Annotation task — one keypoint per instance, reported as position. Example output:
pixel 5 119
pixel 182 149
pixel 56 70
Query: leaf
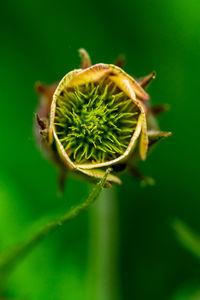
pixel 187 237
pixel 190 291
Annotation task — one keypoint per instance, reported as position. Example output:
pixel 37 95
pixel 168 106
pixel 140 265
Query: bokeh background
pixel 39 41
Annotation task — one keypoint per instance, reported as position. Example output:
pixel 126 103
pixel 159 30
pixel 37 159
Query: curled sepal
pixel 144 141
pixel 85 58
pixel 99 174
pixel 131 84
pixel 156 136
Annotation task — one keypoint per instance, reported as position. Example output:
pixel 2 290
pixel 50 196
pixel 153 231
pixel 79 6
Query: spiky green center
pixel 95 122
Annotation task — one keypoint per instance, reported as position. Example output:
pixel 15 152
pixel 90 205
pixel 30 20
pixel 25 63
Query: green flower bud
pixel 96 117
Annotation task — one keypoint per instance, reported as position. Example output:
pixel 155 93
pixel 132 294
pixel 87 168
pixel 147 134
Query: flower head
pixel 95 117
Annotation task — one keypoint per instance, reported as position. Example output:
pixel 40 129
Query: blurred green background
pixel 39 41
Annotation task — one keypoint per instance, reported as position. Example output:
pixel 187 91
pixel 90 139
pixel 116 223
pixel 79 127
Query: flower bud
pixel 95 118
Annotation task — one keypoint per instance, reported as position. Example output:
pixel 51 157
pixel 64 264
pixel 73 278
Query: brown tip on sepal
pixel 145 81
pixel 40 88
pixel 107 184
pixel 120 61
pixel 42 123
pixel 85 59
pixel 156 136
pixel 159 109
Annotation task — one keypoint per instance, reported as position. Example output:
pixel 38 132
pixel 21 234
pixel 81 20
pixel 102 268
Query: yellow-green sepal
pixel 156 136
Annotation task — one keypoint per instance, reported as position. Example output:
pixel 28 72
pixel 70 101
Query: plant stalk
pixel 103 254
pixel 11 257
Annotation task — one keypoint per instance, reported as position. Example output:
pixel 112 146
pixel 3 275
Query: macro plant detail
pixel 96 117
pixel 95 122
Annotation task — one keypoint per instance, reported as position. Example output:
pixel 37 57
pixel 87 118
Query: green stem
pixel 104 281
pixel 10 258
